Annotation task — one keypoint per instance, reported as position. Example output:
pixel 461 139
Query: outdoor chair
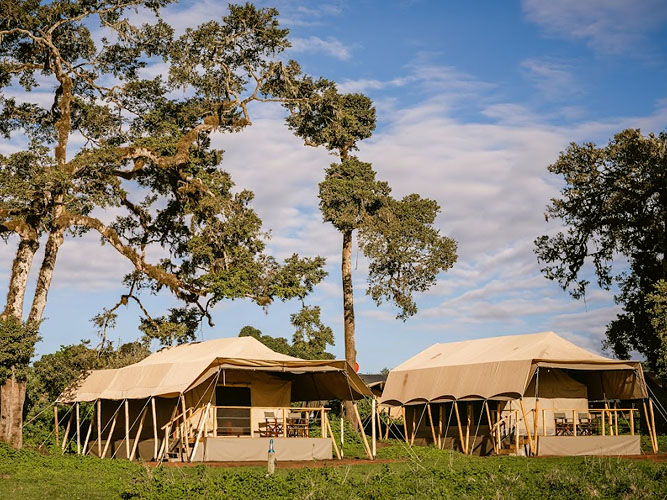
pixel 272 426
pixel 296 425
pixel 563 427
pixel 585 424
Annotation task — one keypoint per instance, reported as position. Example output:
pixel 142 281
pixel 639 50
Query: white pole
pixel 373 431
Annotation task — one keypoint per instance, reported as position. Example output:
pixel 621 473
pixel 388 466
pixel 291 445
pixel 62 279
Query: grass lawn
pixel 416 473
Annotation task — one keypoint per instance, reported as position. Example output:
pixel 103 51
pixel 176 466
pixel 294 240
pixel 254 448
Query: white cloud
pixel 609 26
pixel 554 79
pixel 329 46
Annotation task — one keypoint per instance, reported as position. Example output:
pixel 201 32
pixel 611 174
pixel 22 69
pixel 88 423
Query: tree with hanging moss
pixel 146 154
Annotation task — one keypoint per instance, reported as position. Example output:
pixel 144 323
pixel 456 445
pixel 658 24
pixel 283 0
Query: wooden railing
pixel 192 425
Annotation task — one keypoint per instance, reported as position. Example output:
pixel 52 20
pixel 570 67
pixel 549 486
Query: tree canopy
pixel 146 155
pixel 614 209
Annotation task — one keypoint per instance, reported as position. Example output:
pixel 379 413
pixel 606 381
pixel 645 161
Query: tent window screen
pixel 233 410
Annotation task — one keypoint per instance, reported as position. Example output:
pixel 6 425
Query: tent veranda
pixel 532 379
pixel 208 392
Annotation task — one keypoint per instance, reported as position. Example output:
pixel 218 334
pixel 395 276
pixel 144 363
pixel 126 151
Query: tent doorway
pixel 233 410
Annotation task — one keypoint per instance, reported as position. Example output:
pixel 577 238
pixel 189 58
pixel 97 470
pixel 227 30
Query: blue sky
pixel 474 100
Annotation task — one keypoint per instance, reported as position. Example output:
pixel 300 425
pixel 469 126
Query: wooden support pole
pixel 55 422
pixel 69 424
pixel 516 431
pixel 536 418
pixel 414 426
pixel 90 429
pixel 113 426
pixel 138 435
pixel 327 426
pixel 616 418
pixel 605 415
pixel 373 429
pixel 544 422
pixel 648 425
pixel 184 413
pixel 99 427
pixel 458 421
pixel 199 430
pixel 430 418
pixel 405 426
pixel 164 447
pixel 469 411
pixel 284 424
pixel 78 430
pixel 574 422
pixel 441 409
pixel 379 420
pixel 632 422
pixel 342 436
pixel 525 422
pixel 363 434
pixel 488 417
pixel 127 429
pixel 386 433
pixel 655 436
pixel 322 421
pixel 155 436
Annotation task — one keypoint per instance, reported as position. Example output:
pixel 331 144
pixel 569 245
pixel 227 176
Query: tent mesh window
pixel 232 420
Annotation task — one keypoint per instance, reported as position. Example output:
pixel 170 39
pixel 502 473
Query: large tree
pixel 146 154
pixel 404 250
pixel 614 209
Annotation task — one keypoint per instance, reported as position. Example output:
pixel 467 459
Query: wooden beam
pixel 90 429
pixel 99 427
pixel 441 409
pixel 333 438
pixel 379 420
pixel 342 436
pixel 164 447
pixel 632 421
pixel 155 436
pixel 78 430
pixel 525 423
pixel 138 435
pixel 491 431
pixel 69 424
pixel 113 426
pixel 405 426
pixel 616 417
pixel 430 418
pixel 373 429
pixel 361 429
pixel 469 412
pixel 55 422
pixel 458 421
pixel 536 418
pixel 201 427
pixel 655 435
pixel 324 427
pixel 414 426
pixel 127 429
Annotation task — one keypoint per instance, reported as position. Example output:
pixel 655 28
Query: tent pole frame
pixel 113 426
pixel 491 431
pixel 458 421
pixel 430 418
pixel 155 437
pixel 99 427
pixel 69 424
pixel 361 429
pixel 138 435
pixel 525 424
pixel 405 426
pixel 90 429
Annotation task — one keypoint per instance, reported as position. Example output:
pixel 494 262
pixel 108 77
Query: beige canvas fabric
pixel 569 446
pixel 501 368
pixel 175 370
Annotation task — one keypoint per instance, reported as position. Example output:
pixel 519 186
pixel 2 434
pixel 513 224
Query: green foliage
pixel 350 194
pixel 310 339
pixel 614 204
pixel 49 376
pixel 311 336
pixel 405 251
pixel 417 473
pixel 17 345
pixel 657 303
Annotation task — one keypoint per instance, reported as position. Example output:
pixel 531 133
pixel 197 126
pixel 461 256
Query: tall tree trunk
pixel 348 312
pixel 12 392
pixel 56 237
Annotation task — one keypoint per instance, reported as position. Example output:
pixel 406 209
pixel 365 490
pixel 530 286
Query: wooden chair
pixel 273 427
pixel 296 425
pixel 585 424
pixel 563 427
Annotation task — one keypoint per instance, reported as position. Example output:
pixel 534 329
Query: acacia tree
pixel 146 152
pixel 614 209
pixel 404 250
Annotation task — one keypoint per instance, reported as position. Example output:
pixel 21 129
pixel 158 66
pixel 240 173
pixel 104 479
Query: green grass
pixel 420 473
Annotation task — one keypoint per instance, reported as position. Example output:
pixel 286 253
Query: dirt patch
pixel 297 464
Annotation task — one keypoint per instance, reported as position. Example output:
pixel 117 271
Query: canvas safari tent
pixel 216 400
pixel 533 394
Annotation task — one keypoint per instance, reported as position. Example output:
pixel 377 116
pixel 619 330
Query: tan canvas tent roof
pixel 174 370
pixel 502 368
